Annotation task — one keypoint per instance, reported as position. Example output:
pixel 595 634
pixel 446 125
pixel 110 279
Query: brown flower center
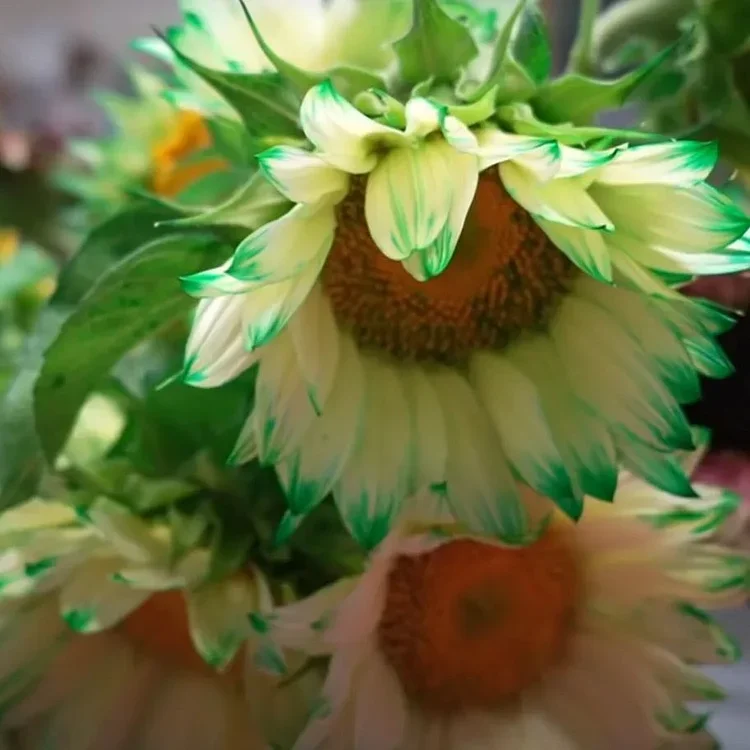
pixel 471 625
pixel 170 176
pixel 506 277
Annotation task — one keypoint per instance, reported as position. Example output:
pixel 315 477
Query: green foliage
pixel 578 99
pixel 265 103
pixel 436 47
pixel 132 301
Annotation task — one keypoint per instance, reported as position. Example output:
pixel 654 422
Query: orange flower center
pixel 471 625
pixel 505 277
pixel 189 136
pixel 160 628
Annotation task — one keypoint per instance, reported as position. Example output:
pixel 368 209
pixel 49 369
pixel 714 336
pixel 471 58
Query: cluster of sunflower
pixel 414 473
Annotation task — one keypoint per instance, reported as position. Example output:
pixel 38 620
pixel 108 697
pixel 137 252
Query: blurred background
pixel 55 53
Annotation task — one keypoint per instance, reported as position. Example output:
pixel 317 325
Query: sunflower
pixel 156 146
pixel 454 641
pixel 112 642
pixel 499 295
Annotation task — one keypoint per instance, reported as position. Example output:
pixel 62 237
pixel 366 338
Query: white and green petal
pixel 587 248
pixel 481 490
pixel 267 310
pixel 432 260
pixel 661 343
pixel 428 424
pixel 214 282
pixel 341 134
pixel 580 435
pixel 678 163
pixel 380 471
pixel 124 532
pixel 408 199
pixel 217 616
pixel 565 201
pixel 302 176
pixel 615 378
pixel 688 219
pixel 316 336
pixel 215 352
pixel 285 248
pixel 515 408
pixel 495 146
pixel 310 471
pixel 93 599
pixel 283 411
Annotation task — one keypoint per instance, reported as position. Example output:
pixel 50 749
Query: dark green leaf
pixel 21 459
pixel 436 46
pixel 107 245
pixel 129 304
pixel 178 421
pixel 728 24
pixel 578 99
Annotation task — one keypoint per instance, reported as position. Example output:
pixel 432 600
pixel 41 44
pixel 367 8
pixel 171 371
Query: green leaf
pixel 728 24
pixel 178 421
pixel 130 303
pixel 578 99
pixel 436 45
pixel 107 245
pixel 520 118
pixel 530 45
pixel 232 141
pixel 263 101
pixel 498 72
pixel 21 459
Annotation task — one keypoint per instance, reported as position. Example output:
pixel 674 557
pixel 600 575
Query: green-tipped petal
pixel 663 346
pixel 564 201
pixel 309 473
pixel 680 163
pixel 92 601
pixel 481 491
pixel 692 219
pixel 379 473
pixel 584 247
pixel 513 404
pixel 283 412
pixel 342 135
pixel 408 199
pixel 285 248
pixel 434 259
pixel 217 617
pixel 268 309
pixel 610 372
pixel 302 176
pixel 215 352
pixel 215 282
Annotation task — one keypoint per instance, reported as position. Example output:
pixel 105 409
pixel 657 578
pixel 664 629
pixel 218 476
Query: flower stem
pixel 581 58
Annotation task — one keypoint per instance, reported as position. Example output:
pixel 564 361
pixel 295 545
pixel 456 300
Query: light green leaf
pixel 131 302
pixel 520 118
pixel 578 99
pixel 436 45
